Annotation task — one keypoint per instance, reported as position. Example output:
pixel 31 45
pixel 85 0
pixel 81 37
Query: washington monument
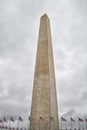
pixel 44 111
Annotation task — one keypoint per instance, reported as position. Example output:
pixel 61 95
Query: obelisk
pixel 44 110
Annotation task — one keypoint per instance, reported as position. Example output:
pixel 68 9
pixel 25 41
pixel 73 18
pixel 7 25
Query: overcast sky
pixel 19 26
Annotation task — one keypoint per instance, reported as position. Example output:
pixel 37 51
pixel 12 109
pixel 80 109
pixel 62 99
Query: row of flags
pixel 42 119
pixel 11 119
pixel 62 119
pixel 11 128
pixel 79 119
pixel 3 126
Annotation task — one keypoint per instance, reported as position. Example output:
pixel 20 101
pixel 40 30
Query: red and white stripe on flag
pixel 41 118
pixel 30 118
pixel 72 119
pixel 20 119
pixel 63 119
pixel 52 119
pixel 81 120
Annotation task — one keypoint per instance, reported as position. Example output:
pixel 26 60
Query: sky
pixel 19 26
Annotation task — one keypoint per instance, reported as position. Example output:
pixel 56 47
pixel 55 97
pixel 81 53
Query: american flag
pixel 31 119
pixel 52 119
pixel 0 121
pixel 81 120
pixel 20 119
pixel 72 119
pixel 85 120
pixel 12 119
pixel 5 119
pixel 41 118
pixel 63 119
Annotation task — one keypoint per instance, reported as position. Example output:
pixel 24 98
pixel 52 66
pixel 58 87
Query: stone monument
pixel 44 111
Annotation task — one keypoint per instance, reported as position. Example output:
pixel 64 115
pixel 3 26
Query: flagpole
pixel 22 123
pixel 9 123
pixel 85 124
pixel 50 124
pixel 39 123
pixel 2 125
pixel 18 123
pixel 66 125
pixel 3 122
pixel 8 126
pixel 71 124
pixel 29 124
pixel 79 125
pixel 86 127
pixel 61 124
